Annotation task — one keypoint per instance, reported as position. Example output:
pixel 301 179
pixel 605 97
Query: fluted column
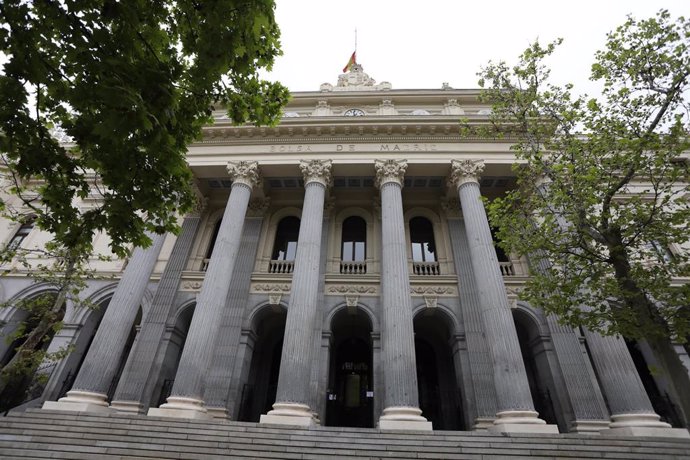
pixel 293 394
pixel 89 392
pixel 401 400
pixel 513 399
pixel 141 371
pixel 186 399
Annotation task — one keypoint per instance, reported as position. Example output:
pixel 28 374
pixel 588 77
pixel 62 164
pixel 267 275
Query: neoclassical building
pixel 340 270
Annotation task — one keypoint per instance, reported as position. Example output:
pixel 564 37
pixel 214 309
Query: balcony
pixel 426 268
pixel 281 266
pixel 507 268
pixel 353 268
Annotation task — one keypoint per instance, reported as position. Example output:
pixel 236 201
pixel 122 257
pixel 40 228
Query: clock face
pixel 354 113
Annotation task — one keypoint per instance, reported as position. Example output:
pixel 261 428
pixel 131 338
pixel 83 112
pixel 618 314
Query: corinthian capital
pixel 244 172
pixel 316 171
pixel 390 171
pixel 463 171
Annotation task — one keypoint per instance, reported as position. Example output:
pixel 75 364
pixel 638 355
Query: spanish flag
pixel 351 62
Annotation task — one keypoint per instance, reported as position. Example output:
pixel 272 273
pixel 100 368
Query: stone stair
pixel 49 434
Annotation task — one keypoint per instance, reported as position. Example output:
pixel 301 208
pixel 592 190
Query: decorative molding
pixel 200 201
pixel 244 172
pixel 274 298
pixel 270 287
pixel 316 171
pixel 431 301
pixel 351 300
pixel 464 171
pixel 432 290
pixel 258 207
pixel 351 289
pixel 390 171
pixel 328 206
pixel 192 285
pixel 451 206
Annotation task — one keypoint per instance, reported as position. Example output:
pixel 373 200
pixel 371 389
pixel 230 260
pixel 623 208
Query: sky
pixel 422 44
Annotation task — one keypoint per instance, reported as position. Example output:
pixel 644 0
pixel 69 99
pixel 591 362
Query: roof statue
pixel 355 79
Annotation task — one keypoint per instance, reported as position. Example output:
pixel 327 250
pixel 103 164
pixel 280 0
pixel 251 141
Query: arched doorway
pixel 173 353
pixel 350 395
pixel 258 393
pixel 439 395
pixel 537 368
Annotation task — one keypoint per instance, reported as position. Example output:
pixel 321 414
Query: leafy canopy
pixel 131 83
pixel 602 192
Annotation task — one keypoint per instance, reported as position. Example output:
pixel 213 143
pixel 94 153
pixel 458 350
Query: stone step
pixel 51 434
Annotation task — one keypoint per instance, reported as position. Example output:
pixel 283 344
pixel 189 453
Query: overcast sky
pixel 421 44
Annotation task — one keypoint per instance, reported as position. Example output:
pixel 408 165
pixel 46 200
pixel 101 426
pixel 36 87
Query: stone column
pixel 89 392
pixel 141 371
pixel 632 413
pixel 401 400
pixel 513 399
pixel 186 399
pixel 293 395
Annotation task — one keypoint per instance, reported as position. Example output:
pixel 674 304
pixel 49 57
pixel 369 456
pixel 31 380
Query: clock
pixel 354 113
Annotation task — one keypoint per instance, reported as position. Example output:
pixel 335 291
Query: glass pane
pixel 429 255
pixel 417 252
pixel 291 250
pixel 347 251
pixel 360 253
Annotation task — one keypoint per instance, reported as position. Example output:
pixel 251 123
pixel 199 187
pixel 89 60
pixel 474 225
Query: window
pixel 285 246
pixel 22 233
pixel 422 237
pixel 354 240
pixel 500 252
pixel 213 239
pixel 663 252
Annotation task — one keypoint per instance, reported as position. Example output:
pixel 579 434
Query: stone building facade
pixel 340 270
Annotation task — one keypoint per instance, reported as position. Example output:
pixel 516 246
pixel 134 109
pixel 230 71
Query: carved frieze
pixel 271 287
pixel 352 289
pixel 191 286
pixel 451 206
pixel 433 290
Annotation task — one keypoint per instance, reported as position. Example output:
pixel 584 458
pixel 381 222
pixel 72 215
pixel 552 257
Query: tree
pixel 130 84
pixel 601 200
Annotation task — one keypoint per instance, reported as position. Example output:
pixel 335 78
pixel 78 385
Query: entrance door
pixel 350 390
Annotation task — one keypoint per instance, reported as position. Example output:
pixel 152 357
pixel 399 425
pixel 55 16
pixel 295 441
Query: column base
pixel 483 423
pixel 643 425
pixel 588 426
pixel 521 421
pixel 292 414
pixel 403 418
pixel 127 407
pixel 80 401
pixel 218 412
pixel 180 407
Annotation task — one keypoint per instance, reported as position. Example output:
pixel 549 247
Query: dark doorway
pixel 350 387
pixel 661 401
pixel 439 395
pixel 537 368
pixel 259 392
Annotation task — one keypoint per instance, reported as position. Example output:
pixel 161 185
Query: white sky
pixel 421 44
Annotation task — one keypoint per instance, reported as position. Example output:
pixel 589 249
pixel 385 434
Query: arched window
pixel 285 246
pixel 21 233
pixel 354 240
pixel 422 237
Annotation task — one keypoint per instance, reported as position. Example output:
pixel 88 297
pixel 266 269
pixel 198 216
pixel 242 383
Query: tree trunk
pixel 676 374
pixel 48 321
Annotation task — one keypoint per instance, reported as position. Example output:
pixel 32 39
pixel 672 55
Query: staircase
pixel 48 434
